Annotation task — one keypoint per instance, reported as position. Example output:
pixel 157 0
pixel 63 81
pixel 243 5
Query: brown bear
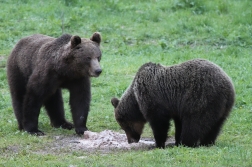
pixel 39 66
pixel 198 95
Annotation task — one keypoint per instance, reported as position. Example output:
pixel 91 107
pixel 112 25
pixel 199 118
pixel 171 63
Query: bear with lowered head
pixel 40 66
pixel 197 95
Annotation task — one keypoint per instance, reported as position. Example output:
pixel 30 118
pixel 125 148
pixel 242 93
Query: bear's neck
pixel 130 107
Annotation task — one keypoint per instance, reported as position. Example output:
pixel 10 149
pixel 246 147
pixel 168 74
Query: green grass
pixel 134 32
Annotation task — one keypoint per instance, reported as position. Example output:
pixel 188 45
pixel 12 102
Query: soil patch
pixel 105 141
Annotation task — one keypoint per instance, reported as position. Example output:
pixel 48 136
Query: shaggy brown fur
pixel 197 94
pixel 39 66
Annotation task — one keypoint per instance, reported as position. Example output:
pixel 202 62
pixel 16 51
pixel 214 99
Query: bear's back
pixel 34 49
pixel 195 80
pixel 193 72
pixel 25 53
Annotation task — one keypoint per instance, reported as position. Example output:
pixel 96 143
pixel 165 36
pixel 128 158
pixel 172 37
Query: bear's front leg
pixel 178 130
pixel 160 130
pixel 80 97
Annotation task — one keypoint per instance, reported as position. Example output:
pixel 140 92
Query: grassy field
pixel 134 32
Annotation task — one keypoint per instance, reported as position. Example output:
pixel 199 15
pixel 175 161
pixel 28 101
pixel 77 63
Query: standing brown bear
pixel 39 66
pixel 197 94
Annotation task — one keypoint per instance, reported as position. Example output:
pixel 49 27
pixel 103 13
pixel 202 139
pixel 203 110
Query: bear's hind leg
pixel 210 137
pixel 191 132
pixel 31 110
pixel 17 103
pixel 55 110
pixel 17 90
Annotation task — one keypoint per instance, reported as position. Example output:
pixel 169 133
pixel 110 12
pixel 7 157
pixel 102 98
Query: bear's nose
pixel 98 72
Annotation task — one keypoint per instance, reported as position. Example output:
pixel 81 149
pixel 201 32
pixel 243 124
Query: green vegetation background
pixel 134 32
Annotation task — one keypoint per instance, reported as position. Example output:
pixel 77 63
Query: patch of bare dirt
pixel 105 141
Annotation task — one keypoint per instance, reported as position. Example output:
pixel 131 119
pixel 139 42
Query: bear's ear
pixel 75 40
pixel 115 102
pixel 96 37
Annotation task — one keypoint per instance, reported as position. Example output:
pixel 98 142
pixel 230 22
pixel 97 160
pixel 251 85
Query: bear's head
pixel 130 119
pixel 84 55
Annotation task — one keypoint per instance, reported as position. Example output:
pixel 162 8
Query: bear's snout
pixel 95 72
pixel 131 140
pixel 132 137
pixel 95 68
pixel 98 72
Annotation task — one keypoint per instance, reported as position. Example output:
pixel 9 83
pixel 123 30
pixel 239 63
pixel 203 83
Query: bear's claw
pixel 67 125
pixel 37 133
pixel 80 131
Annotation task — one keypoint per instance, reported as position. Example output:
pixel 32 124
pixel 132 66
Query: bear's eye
pixel 89 58
pixel 78 47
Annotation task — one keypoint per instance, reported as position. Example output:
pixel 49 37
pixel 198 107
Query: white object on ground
pixel 110 139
